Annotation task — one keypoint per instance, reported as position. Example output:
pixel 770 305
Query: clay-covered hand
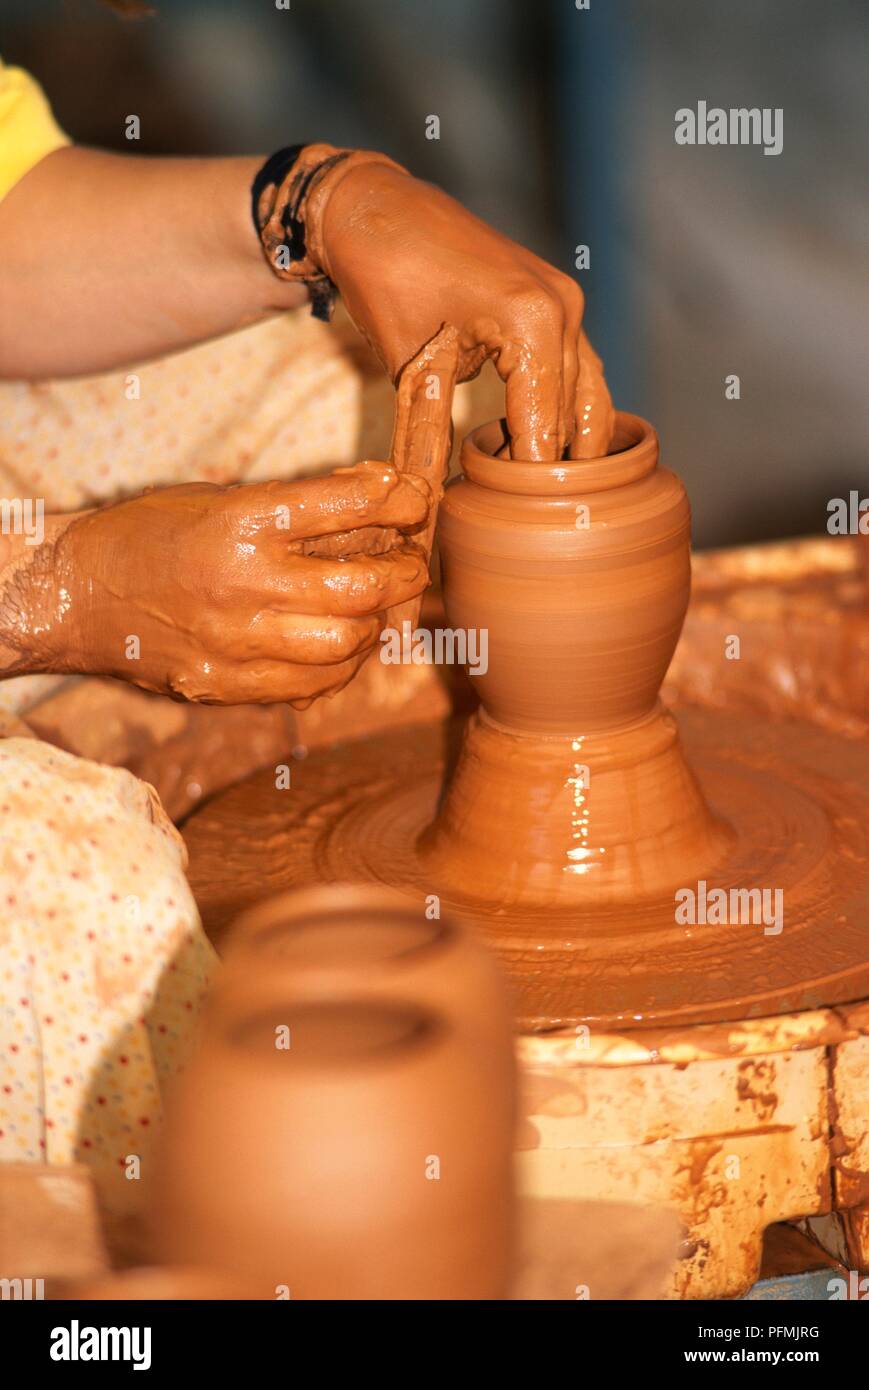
pixel 212 593
pixel 407 259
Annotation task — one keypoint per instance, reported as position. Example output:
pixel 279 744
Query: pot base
pixel 559 823
pixel 796 798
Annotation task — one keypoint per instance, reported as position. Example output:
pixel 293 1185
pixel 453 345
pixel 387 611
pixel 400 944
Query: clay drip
pixel 571 786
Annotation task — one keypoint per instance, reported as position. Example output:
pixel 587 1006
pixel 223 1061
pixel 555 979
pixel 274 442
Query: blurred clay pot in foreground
pixel 345 1130
pixel 155 1284
pixel 356 1149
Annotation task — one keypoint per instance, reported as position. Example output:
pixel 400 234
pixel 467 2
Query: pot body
pixel 579 572
pixel 368 1159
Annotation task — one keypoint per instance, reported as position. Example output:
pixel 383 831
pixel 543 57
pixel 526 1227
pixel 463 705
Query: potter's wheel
pixel 796 797
pixel 634 1112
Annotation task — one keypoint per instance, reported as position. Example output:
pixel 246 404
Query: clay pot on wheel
pixel 571 786
pixel 352 1149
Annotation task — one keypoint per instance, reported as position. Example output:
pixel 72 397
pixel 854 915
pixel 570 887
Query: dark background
pixel 557 126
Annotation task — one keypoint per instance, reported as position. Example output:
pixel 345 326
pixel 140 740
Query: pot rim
pixel 257 933
pixel 635 459
pixel 409 1027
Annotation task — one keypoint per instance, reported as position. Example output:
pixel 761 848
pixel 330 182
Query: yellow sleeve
pixel 28 130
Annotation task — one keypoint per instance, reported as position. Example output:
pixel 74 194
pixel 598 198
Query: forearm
pixel 112 259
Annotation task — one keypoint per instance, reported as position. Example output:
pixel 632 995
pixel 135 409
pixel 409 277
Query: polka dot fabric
pixel 103 965
pixel 103 962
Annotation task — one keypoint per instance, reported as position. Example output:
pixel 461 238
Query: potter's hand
pixel 211 593
pixel 408 258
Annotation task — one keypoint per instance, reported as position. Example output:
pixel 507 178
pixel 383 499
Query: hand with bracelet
pixel 407 258
pixel 109 260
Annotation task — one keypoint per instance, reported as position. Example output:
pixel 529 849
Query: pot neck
pixel 634 456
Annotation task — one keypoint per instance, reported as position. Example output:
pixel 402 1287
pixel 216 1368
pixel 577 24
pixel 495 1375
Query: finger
pixel 531 364
pixel 266 682
pixel 595 417
pixel 570 378
pixel 354 587
pixel 532 406
pixel 309 683
pixel 421 436
pixel 366 494
pixel 270 634
pixel 305 640
pixel 573 302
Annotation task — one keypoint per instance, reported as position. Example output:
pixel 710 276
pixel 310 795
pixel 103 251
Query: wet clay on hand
pixel 209 593
pixel 407 259
pixel 420 452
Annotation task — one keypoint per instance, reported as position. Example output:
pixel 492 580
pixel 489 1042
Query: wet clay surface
pixel 800 610
pixel 799 808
